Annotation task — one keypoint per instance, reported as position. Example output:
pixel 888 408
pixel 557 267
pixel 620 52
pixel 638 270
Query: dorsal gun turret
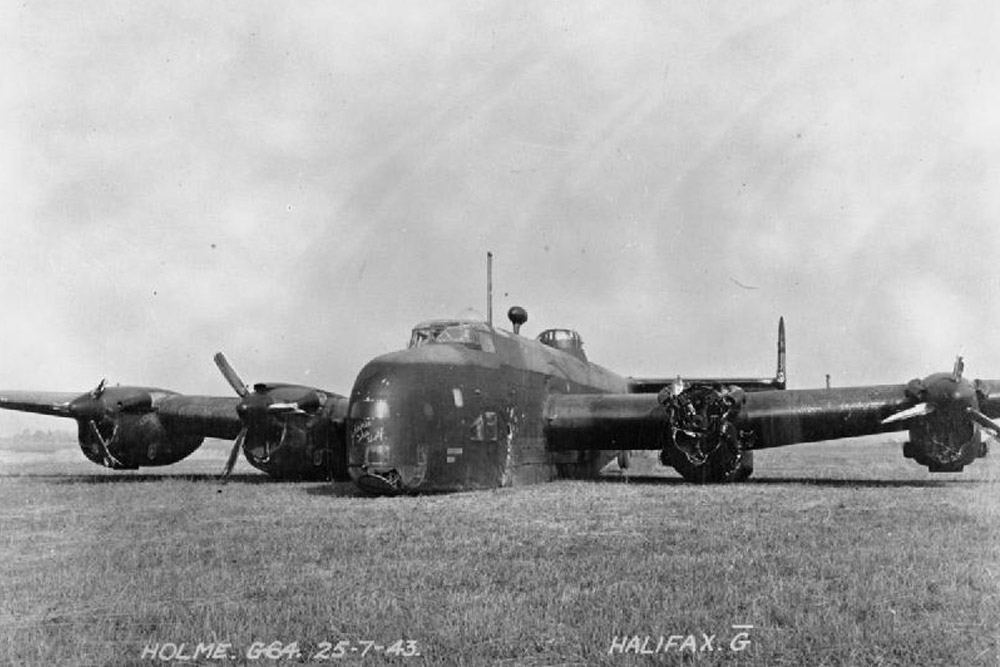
pixel 566 340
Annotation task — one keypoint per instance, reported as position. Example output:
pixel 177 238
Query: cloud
pixel 300 187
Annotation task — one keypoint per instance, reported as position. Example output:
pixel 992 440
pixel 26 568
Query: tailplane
pixel 654 385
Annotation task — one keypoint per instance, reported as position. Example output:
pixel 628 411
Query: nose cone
pixel 386 449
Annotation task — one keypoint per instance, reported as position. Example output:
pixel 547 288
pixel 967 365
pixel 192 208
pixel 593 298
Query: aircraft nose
pixel 384 456
pixel 378 482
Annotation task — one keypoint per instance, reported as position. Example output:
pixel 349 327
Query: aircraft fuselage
pixel 467 415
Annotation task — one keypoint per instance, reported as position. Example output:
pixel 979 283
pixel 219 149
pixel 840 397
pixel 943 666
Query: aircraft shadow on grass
pixel 812 481
pixel 346 489
pixel 339 490
pixel 865 483
pixel 335 489
pixel 251 478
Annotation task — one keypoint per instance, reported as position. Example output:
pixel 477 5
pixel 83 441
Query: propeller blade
pixel 918 410
pixel 984 421
pixel 99 389
pixel 231 377
pixel 234 453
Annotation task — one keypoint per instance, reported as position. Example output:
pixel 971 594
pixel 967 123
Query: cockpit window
pixel 470 334
pixel 461 333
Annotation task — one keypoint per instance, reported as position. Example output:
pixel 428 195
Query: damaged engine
pixel 704 443
pixel 943 433
pixel 118 428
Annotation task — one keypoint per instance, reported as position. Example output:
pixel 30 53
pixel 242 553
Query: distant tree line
pixel 35 437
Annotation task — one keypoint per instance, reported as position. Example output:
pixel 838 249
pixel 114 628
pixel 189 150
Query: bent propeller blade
pixel 918 410
pixel 109 458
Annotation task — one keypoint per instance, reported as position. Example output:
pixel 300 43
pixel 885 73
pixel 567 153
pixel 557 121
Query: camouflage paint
pixel 447 417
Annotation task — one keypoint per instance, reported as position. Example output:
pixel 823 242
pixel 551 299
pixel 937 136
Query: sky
pixel 298 184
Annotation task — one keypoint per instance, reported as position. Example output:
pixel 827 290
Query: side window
pixel 484 429
pixel 486 342
pixel 476 431
pixel 490 426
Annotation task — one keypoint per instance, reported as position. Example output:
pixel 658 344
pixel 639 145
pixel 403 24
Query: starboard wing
pixel 775 418
pixel 708 433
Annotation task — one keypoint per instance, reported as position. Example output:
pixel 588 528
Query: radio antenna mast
pixel 489 288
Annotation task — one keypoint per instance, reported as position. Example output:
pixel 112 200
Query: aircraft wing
pixel 41 402
pixel 286 430
pixel 776 418
pixel 708 433
pixel 209 416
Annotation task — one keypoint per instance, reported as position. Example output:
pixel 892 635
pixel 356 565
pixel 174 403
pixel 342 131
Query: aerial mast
pixel 489 288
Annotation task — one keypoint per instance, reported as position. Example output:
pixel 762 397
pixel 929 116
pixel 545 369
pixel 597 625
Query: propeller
pixel 253 411
pixel 89 409
pixel 233 378
pixel 234 453
pixel 941 392
pixel 919 410
pixel 257 409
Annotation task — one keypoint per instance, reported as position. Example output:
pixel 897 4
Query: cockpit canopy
pixel 566 340
pixel 471 334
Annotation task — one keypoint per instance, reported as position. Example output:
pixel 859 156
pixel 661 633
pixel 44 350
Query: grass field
pixel 836 554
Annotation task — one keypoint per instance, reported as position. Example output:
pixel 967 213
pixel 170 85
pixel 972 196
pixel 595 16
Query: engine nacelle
pixel 126 441
pixel 302 446
pixel 944 442
pixel 705 444
pixel 944 435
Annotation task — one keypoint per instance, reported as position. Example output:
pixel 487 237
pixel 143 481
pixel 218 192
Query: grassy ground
pixel 836 554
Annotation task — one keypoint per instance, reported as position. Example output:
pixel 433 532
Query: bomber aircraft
pixel 471 406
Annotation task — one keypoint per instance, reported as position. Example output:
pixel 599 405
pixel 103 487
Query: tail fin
pixel 780 376
pixel 654 385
